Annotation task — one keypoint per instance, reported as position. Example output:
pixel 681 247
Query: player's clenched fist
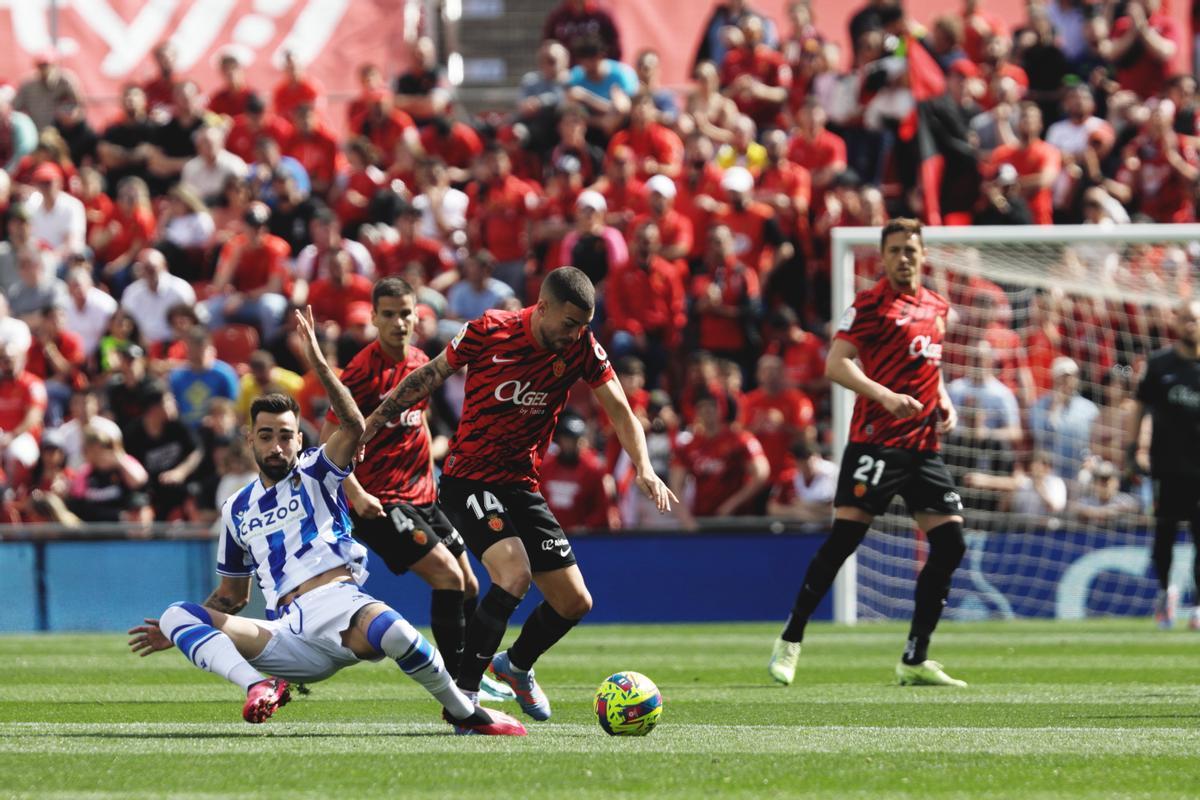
pixel 901 406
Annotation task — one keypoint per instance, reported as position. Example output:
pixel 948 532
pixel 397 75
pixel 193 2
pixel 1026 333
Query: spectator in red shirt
pixel 248 284
pixel 22 410
pixel 820 151
pixel 316 148
pixel 254 123
pixel 56 356
pixel 330 297
pixel 580 492
pixel 676 232
pixel 778 415
pixel 698 189
pixel 230 100
pixel 409 247
pixel 725 467
pixel 500 211
pixel 129 228
pixel 756 76
pixel 624 193
pixel 576 19
pixel 453 141
pixel 371 83
pixel 384 125
pixel 979 26
pixel 656 148
pixel 160 91
pixel 355 187
pixel 646 305
pixel 802 352
pixel 1159 170
pixel 295 90
pixel 1037 163
pixel 758 242
pixel 725 299
pixel 1144 45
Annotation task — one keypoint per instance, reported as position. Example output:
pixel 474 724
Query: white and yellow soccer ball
pixel 628 704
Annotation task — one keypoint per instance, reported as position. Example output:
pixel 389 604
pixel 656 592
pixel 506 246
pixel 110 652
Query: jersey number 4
pixel 490 503
pixel 867 465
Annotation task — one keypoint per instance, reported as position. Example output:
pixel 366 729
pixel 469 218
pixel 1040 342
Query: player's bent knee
pixel 440 569
pixel 178 615
pixel 576 606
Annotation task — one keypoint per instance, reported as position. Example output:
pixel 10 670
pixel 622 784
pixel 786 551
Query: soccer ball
pixel 628 704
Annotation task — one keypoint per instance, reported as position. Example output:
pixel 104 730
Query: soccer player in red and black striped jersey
pixel 392 493
pixel 520 366
pixel 895 329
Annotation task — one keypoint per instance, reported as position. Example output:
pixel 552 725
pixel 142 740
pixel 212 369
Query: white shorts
pixel 306 642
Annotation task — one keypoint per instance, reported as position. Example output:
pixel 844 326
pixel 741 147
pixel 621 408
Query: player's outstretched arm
pixel 633 439
pixel 343 443
pixel 418 385
pixel 841 368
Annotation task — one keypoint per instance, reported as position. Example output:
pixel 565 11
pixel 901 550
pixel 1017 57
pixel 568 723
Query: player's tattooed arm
pixel 230 596
pixel 418 385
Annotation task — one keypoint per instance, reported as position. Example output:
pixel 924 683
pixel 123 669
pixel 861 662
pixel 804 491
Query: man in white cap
pixel 676 232
pixel 1061 420
pixel 593 246
pixel 758 241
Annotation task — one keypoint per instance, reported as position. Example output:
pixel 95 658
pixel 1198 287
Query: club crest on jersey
pixel 295 482
pixel 924 347
pixel 560 367
pixel 495 523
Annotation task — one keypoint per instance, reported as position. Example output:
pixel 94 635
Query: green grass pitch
pixel 1054 710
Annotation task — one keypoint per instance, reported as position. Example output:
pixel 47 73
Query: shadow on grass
pixel 272 734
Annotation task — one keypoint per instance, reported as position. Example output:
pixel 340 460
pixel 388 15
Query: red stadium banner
pixel 674 28
pixel 108 43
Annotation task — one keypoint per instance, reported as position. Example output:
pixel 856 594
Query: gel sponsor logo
pixel 518 393
pixel 924 347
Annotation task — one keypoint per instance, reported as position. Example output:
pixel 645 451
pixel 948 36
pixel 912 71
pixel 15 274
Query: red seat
pixel 235 343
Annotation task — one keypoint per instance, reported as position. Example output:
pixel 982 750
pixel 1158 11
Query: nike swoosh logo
pixel 499 360
pixel 902 321
pixel 563 553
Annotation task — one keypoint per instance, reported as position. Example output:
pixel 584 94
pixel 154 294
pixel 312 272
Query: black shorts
pixel 486 513
pixel 1175 497
pixel 406 533
pixel 872 475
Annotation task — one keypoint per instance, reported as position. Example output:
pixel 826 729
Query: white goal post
pixel 1052 565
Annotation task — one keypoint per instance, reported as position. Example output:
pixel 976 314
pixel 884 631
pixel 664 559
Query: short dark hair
pixel 391 286
pixel 905 225
pixel 274 403
pixel 571 285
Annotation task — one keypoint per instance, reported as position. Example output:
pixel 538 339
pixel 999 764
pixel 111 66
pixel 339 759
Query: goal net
pixel 1049 331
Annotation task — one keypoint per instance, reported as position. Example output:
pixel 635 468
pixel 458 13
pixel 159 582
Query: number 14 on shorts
pixel 489 508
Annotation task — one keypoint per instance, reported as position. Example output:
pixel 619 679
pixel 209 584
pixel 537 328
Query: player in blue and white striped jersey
pixel 290 529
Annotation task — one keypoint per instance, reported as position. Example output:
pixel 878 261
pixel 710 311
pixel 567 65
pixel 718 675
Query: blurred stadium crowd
pixel 149 263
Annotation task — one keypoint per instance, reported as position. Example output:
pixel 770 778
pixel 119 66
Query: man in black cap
pixel 580 492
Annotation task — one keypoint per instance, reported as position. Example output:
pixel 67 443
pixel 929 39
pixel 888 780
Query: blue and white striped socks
pixel 392 635
pixel 190 627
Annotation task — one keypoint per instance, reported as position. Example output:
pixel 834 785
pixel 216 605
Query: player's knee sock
pixel 190 627
pixel 843 540
pixel 469 606
pixel 484 635
pixel 544 627
pixel 391 634
pixel 449 626
pixel 946 550
pixel 1195 531
pixel 1164 548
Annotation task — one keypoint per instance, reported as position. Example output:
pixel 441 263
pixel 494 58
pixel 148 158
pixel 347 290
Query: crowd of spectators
pixel 150 263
